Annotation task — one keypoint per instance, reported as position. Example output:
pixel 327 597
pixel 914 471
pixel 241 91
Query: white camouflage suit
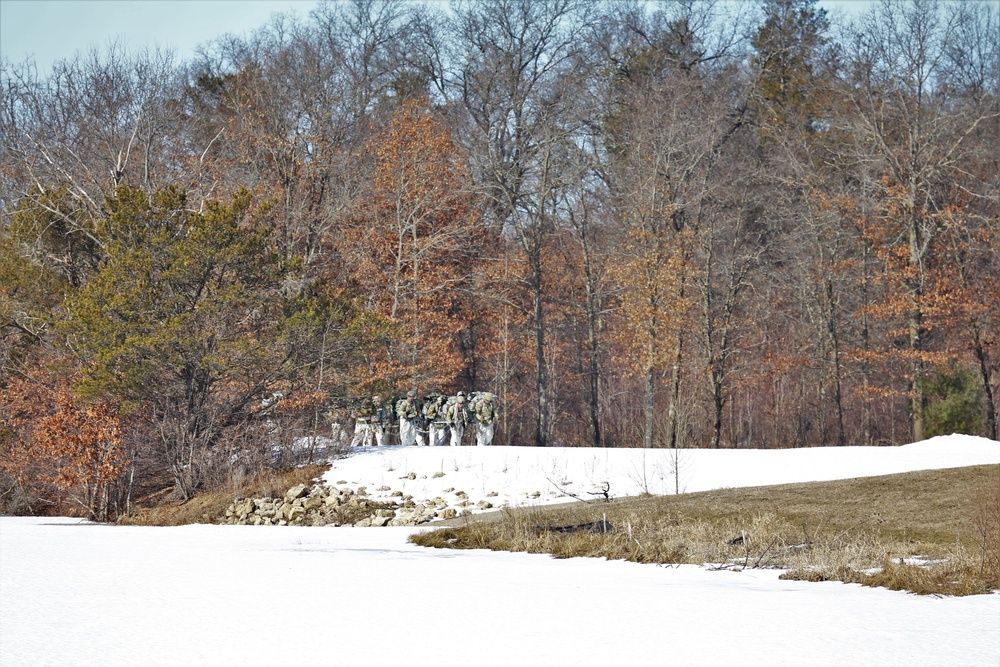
pixel 485 412
pixel 371 423
pixel 457 416
pixel 408 412
pixel 437 427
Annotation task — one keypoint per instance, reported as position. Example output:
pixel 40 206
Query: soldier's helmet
pixel 460 398
pixel 376 398
pixel 460 394
pixel 411 394
pixel 489 397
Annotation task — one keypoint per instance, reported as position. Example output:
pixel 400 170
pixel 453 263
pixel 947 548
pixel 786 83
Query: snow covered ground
pixel 74 593
pixel 526 476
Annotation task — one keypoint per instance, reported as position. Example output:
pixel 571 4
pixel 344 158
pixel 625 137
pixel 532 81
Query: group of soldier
pixel 439 417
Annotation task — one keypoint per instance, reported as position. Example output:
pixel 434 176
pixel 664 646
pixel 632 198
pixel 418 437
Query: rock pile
pixel 322 505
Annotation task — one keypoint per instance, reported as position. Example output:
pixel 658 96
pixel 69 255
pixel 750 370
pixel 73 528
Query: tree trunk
pixel 593 395
pixel 984 374
pixel 541 382
pixel 593 349
pixel 675 393
pixel 647 436
pixel 717 406
pixel 916 375
pixel 831 324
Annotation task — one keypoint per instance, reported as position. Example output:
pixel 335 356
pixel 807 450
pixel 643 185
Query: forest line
pixel 679 224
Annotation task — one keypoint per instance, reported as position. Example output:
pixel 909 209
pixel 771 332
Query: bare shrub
pixel 986 520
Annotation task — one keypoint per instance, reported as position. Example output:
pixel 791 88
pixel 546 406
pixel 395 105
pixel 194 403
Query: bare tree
pixel 514 67
pixel 96 122
pixel 911 121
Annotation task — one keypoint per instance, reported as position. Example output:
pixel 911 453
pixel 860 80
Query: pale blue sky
pixel 50 30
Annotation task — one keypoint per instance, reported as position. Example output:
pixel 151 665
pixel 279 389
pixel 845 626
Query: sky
pixel 77 593
pixel 52 30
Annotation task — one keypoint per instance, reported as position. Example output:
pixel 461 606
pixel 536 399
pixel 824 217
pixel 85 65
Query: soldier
pixel 434 416
pixel 408 413
pixel 485 412
pixel 457 416
pixel 338 417
pixel 269 403
pixel 372 419
pixel 268 406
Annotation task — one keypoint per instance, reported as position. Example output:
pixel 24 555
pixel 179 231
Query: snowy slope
pixel 525 476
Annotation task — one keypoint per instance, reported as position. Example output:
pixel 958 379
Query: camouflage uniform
pixel 457 416
pixel 372 418
pixel 408 413
pixel 434 408
pixel 485 412
pixel 339 431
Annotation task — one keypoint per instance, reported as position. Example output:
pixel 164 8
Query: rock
pixel 404 518
pixel 297 491
pixel 312 502
pixel 295 512
pixel 447 513
pixel 413 516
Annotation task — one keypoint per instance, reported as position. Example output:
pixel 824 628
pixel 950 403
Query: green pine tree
pixel 189 319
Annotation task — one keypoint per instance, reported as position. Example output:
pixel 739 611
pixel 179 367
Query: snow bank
pixel 528 476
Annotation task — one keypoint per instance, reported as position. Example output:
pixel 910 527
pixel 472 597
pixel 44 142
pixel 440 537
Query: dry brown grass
pixel 209 506
pixel 850 530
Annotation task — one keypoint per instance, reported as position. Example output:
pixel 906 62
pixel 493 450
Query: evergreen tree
pixel 791 57
pixel 188 320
